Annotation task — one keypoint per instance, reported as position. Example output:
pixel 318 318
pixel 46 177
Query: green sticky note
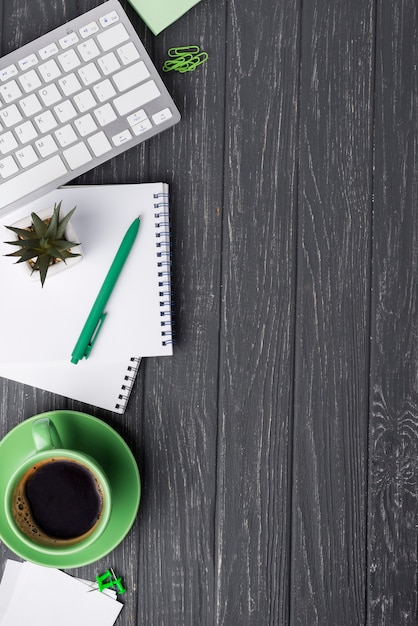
pixel 158 14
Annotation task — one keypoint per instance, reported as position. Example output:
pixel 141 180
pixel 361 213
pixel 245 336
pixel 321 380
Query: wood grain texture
pixel 393 498
pixel 179 420
pixel 256 362
pixel 278 455
pixel 332 333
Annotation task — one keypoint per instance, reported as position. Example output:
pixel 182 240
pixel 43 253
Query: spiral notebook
pixel 39 327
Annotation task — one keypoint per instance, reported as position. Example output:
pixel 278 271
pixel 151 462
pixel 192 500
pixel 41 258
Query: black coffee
pixel 57 502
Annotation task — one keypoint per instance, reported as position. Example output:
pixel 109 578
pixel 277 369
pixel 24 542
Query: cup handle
pixel 45 436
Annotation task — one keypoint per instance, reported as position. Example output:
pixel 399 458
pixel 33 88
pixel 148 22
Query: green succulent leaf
pixel 42 265
pixel 25 255
pixel 39 226
pixel 55 253
pixel 35 244
pixel 64 245
pixel 51 231
pixel 20 232
pixel 16 253
pixel 63 224
pixel 70 255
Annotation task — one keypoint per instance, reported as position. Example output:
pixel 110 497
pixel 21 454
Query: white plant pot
pixel 59 266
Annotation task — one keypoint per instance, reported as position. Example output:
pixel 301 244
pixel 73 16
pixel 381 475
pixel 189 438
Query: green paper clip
pixel 179 51
pixel 184 59
pixel 194 63
pixel 174 64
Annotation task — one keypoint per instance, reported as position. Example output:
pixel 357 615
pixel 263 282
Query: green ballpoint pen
pixel 97 315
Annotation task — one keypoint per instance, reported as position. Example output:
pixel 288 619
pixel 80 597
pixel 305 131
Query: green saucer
pixel 83 432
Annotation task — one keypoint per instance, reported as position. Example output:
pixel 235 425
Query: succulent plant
pixel 43 243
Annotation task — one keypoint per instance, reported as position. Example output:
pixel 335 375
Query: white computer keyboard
pixel 73 99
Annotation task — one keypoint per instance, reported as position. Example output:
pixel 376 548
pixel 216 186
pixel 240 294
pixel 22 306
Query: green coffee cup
pixel 57 501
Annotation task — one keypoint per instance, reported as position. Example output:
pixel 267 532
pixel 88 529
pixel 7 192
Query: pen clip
pixel 94 336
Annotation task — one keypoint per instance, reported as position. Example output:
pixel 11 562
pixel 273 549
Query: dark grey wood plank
pixel 179 418
pixel 258 287
pixel 332 347
pixel 394 411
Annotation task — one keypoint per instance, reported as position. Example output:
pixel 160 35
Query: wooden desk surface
pixel 278 446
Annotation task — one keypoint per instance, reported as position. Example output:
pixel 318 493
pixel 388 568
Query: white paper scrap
pixel 44 596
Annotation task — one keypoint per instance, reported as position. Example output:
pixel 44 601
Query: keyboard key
pixel 89 74
pixel 30 105
pixel 162 116
pixel 8 167
pixel 99 143
pixel 88 30
pixel 105 114
pixel 28 62
pixel 135 118
pixel 49 70
pixel 69 40
pixel 7 142
pixel 128 53
pixel 113 37
pixel 10 91
pixel 136 98
pixel 46 145
pixel 8 72
pixel 108 63
pixel 104 90
pixel 108 19
pixel 10 115
pixel 88 50
pixel 131 76
pixel 121 138
pixel 77 156
pixel 50 95
pixel 32 179
pixel 85 125
pixel 69 60
pixel 65 135
pixel 30 81
pixel 84 101
pixel 45 121
pixel 69 84
pixel 26 132
pixel 48 51
pixel 26 156
pixel 142 127
pixel 65 111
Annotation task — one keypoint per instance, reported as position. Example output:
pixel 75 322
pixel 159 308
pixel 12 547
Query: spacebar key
pixel 31 180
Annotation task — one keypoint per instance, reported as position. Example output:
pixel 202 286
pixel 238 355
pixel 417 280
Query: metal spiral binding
pixel 129 377
pixel 162 236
